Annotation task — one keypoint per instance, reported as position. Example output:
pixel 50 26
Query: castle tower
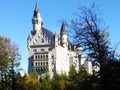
pixel 36 21
pixel 63 35
pixel 56 40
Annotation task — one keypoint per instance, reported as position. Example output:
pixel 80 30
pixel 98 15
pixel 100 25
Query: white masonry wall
pixel 62 61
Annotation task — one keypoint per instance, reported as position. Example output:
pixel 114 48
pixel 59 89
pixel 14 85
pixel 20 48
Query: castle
pixel 51 52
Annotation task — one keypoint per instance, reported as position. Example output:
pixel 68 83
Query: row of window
pixel 41 57
pixel 42 41
pixel 41 64
pixel 35 50
pixel 41 50
pixel 44 36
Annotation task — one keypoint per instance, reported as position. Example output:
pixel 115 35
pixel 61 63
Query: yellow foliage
pixel 29 80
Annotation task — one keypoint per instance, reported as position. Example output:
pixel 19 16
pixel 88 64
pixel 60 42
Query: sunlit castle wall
pixel 88 66
pixel 62 61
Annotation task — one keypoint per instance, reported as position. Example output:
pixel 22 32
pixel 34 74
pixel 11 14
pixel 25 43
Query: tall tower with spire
pixel 63 35
pixel 36 20
pixel 39 45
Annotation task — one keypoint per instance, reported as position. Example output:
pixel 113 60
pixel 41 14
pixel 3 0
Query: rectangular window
pixel 42 40
pixel 42 50
pixel 34 50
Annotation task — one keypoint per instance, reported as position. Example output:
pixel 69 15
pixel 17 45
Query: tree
pixel 79 80
pixel 59 82
pixel 30 83
pixel 9 61
pixel 4 42
pixel 34 74
pixel 89 32
pixel 19 82
pixel 72 73
pixel 14 62
pixel 112 75
pixel 46 82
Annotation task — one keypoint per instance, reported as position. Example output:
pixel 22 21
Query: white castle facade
pixel 51 52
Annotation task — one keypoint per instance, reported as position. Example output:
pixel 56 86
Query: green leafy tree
pixel 87 81
pixel 9 61
pixel 46 82
pixel 59 82
pixel 14 62
pixel 78 80
pixel 19 82
pixel 4 42
pixel 72 73
pixel 34 74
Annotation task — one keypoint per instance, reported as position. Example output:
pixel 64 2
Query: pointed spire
pixel 36 7
pixel 36 20
pixel 63 30
pixel 36 11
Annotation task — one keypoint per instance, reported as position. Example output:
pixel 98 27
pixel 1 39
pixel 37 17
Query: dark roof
pixel 63 30
pixel 47 32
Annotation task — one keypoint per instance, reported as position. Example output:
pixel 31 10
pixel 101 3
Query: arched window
pixel 46 56
pixel 43 63
pixel 38 56
pixel 36 63
pixel 35 56
pixel 43 57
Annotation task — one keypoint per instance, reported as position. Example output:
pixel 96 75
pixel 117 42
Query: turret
pixel 63 35
pixel 56 40
pixel 36 21
pixel 28 41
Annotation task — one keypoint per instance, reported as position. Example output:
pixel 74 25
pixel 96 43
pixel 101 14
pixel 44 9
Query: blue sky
pixel 16 15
